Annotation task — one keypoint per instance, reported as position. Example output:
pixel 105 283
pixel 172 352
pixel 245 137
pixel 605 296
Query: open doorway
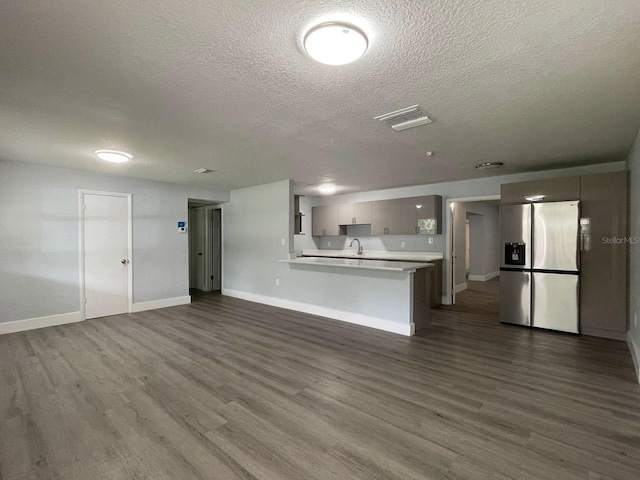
pixel 205 247
pixel 475 255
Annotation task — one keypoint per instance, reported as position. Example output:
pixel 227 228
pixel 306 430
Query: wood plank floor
pixel 226 389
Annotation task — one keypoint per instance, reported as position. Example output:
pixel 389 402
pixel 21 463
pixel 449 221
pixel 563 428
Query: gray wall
pixel 634 250
pixel 39 238
pixel 255 222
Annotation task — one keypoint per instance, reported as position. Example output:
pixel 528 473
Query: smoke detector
pixel 405 118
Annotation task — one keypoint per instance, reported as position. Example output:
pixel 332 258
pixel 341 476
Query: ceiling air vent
pixel 406 118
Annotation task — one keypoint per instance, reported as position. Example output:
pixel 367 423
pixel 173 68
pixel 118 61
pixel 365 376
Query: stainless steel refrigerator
pixel 540 271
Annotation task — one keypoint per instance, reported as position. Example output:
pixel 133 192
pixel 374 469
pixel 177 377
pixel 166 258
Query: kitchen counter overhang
pixel 360 263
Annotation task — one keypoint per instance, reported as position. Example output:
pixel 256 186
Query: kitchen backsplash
pixel 412 243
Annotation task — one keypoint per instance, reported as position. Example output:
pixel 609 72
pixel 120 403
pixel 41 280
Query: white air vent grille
pixel 406 118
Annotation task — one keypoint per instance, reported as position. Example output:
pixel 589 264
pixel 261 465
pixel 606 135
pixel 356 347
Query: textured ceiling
pixel 224 84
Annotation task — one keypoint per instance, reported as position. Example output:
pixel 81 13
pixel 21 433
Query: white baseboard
pixel 483 278
pixel 460 288
pixel 406 329
pixel 635 353
pixel 162 303
pixel 39 322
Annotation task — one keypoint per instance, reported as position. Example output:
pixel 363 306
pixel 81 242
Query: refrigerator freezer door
pixel 515 297
pixel 556 302
pixel 515 228
pixel 555 236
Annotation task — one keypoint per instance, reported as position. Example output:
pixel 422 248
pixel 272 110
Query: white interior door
pixel 106 254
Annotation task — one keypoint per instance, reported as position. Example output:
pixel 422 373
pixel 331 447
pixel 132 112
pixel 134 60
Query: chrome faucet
pixel 359 246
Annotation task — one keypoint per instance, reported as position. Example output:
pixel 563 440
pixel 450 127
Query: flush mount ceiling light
pixel 418 206
pixel 327 189
pixel 534 198
pixel 489 165
pixel 429 153
pixel 113 156
pixel 335 43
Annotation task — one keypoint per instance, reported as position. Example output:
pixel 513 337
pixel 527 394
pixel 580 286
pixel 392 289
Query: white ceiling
pixel 224 84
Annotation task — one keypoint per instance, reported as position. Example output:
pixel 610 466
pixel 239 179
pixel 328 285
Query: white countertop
pixel 376 255
pixel 406 267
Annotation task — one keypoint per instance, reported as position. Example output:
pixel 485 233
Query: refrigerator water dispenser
pixel 514 253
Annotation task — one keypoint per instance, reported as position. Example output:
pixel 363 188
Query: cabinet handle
pixel 324 232
pixel 417 230
pixel 353 220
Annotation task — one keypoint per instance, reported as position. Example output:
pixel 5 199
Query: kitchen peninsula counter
pixel 435 258
pixel 388 295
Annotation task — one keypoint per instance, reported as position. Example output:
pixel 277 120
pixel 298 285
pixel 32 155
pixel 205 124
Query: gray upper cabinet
pixel 354 213
pixel 324 220
pixel 407 216
pixel 553 189
pixel 386 217
pixel 428 214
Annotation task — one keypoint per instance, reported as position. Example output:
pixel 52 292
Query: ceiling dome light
pixel 489 165
pixel 327 189
pixel 113 156
pixel 335 43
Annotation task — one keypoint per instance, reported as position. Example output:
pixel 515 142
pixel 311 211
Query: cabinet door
pixel 429 219
pixel 345 214
pixel 362 213
pixel 385 217
pixel 408 216
pixel 604 256
pixel 324 220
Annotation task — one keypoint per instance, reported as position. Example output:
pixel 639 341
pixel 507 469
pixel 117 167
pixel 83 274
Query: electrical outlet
pixel 430 240
pixel 402 244
pixel 282 242
pixel 329 243
pixel 277 282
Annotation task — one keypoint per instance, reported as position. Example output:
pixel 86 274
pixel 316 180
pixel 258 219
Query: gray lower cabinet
pixel 324 220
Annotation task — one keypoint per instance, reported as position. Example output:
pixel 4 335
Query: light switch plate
pixel 430 240
pixel 402 244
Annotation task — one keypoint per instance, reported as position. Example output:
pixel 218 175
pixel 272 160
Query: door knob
pixel 124 261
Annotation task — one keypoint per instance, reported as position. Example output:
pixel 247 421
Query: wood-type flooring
pixel 228 389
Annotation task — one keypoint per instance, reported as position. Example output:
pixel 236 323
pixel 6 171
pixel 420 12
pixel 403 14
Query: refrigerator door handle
pixel 585 234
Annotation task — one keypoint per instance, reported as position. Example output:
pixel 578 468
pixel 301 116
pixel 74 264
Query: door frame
pixel 128 196
pixel 209 237
pixel 449 295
